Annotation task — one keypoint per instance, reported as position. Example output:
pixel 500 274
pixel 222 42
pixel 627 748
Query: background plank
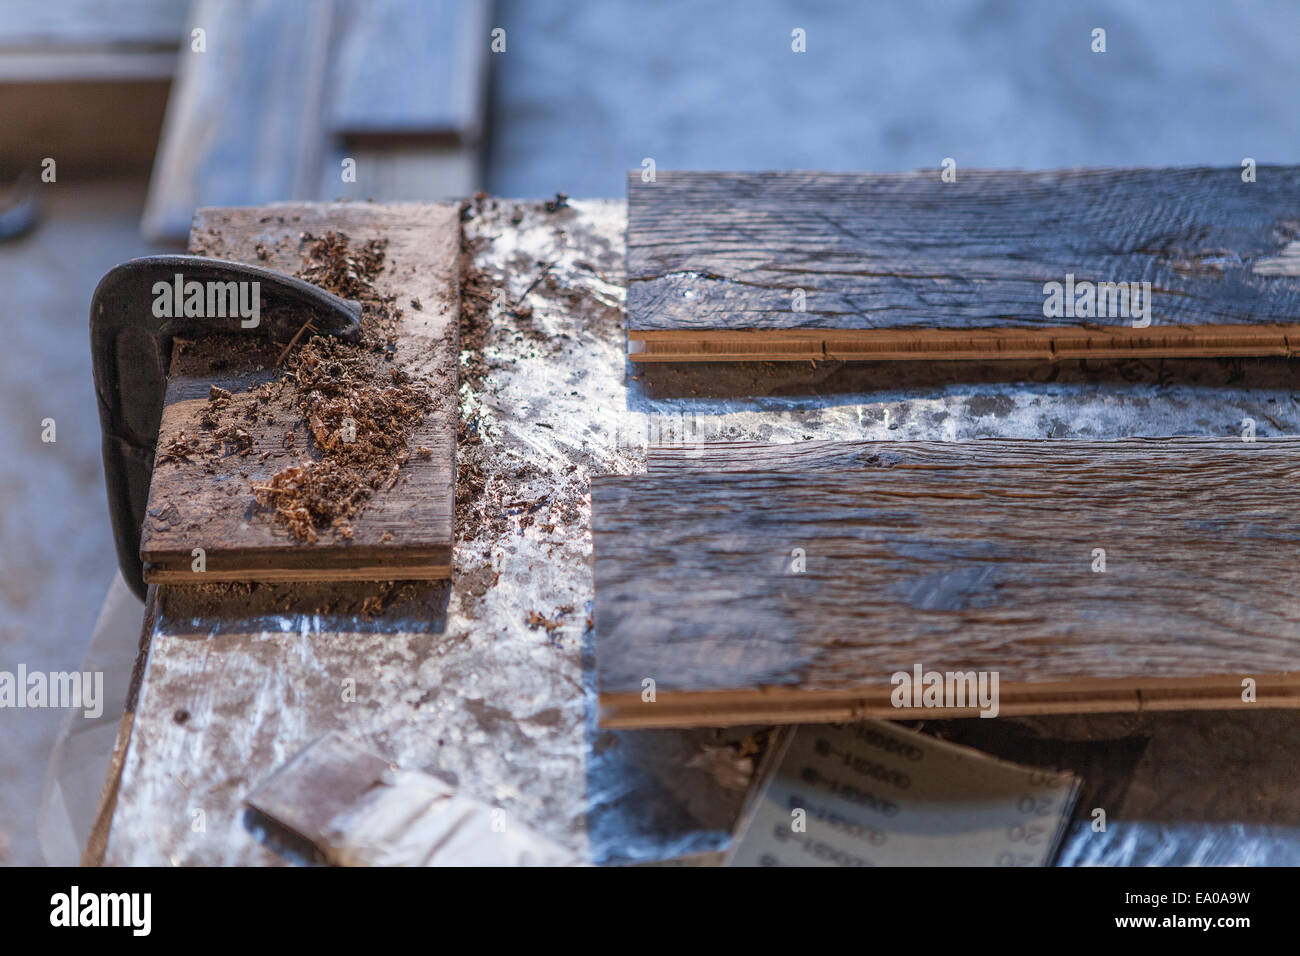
pixel 243 124
pixel 402 533
pixel 979 562
pixel 410 67
pixel 903 265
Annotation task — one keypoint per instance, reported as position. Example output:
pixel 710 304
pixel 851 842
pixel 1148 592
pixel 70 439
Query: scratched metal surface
pixel 454 680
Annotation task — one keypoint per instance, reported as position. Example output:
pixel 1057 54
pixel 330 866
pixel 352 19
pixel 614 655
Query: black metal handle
pixel 131 351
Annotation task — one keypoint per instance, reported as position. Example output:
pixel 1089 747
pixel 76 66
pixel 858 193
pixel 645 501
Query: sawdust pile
pixel 359 408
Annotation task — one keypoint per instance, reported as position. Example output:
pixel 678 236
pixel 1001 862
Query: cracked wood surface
pixel 904 266
pixel 952 556
pixel 403 532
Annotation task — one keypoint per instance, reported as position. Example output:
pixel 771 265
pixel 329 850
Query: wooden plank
pixel 1027 454
pixel 354 808
pixel 402 171
pixel 82 66
pixel 955 557
pixel 91 23
pixel 411 68
pixel 904 266
pixel 403 532
pixel 82 41
pixel 243 124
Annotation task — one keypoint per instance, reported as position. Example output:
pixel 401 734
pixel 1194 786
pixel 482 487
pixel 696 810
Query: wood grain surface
pixel 905 266
pixel 404 532
pixel 952 556
pixel 1028 454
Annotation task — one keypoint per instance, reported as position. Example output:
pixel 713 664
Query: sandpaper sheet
pixel 874 794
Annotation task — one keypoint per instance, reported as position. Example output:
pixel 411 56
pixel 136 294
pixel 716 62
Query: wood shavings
pixel 360 409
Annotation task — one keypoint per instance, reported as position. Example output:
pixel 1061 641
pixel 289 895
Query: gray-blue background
pixel 587 89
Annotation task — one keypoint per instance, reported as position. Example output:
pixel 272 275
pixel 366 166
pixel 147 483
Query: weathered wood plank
pixel 906 266
pixel 403 532
pixel 1028 454
pixel 954 557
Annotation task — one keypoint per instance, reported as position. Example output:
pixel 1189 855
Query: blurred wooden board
pixel 89 23
pixel 954 557
pixel 86 83
pixel 243 123
pixel 904 266
pixel 410 68
pixel 402 170
pixel 404 532
pixel 286 91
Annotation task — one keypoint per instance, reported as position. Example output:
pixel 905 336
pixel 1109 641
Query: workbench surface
pixel 488 681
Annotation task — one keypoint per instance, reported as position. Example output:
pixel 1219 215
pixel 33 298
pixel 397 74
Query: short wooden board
pixel 410 68
pixel 802 266
pixel 955 557
pixel 404 533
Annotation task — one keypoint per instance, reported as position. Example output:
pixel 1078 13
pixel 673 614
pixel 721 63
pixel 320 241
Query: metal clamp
pixel 131 351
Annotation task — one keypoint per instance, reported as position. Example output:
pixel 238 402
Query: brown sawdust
pixel 360 408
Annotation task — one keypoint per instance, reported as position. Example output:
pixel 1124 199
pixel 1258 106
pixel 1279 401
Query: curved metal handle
pixel 131 351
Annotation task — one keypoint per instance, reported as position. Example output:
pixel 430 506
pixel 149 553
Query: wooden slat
pixel 410 68
pixel 1019 453
pixel 404 532
pixel 80 66
pixel 905 266
pixel 90 23
pixel 405 171
pixel 953 556
pixel 243 124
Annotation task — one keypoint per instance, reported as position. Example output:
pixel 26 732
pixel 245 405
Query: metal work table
pixel 455 680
